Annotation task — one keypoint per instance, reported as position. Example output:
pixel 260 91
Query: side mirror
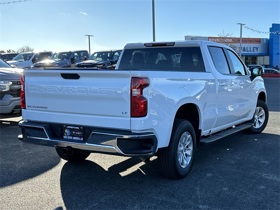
pixel 255 72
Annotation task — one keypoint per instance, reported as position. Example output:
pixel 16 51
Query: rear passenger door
pixel 233 87
pixel 241 79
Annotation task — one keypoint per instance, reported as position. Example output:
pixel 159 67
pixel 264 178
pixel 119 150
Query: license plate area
pixel 73 132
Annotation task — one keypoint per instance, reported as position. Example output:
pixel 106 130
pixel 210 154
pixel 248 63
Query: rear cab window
pixel 187 59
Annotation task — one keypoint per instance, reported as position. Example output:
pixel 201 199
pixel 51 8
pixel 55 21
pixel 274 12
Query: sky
pixel 61 25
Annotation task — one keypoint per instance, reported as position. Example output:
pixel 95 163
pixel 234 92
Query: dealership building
pixel 253 50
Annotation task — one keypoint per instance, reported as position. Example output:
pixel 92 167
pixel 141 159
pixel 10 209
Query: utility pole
pixel 240 40
pixel 89 35
pixel 153 17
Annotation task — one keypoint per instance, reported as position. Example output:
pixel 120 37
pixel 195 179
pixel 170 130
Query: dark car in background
pixel 267 66
pixel 270 72
pixel 8 56
pixel 101 60
pixel 9 88
pixel 63 59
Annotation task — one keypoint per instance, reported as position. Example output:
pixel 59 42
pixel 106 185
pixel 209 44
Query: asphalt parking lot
pixel 238 172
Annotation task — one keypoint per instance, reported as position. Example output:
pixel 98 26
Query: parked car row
pixel 80 58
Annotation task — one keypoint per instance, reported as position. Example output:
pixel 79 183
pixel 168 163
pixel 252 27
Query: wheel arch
pixel 191 113
pixel 262 96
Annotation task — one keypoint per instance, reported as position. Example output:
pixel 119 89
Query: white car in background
pixel 27 59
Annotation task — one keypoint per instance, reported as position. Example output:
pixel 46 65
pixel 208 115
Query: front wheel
pixel 260 118
pixel 72 155
pixel 177 159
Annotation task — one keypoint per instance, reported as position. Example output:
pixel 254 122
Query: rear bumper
pixel 118 142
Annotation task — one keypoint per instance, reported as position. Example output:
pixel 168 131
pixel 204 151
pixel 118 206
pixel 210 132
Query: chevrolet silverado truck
pixel 163 99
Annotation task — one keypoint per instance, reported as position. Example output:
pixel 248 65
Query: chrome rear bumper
pixel 118 142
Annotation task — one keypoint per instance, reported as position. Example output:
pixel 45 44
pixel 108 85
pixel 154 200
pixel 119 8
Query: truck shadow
pixel 20 161
pixel 216 173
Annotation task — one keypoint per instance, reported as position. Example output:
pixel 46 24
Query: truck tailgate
pixel 80 97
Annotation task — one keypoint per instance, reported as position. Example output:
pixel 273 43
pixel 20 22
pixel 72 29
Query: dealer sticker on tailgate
pixel 73 132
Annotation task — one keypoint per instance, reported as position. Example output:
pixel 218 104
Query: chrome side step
pixel 225 133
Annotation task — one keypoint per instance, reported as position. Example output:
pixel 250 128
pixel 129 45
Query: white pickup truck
pixel 162 100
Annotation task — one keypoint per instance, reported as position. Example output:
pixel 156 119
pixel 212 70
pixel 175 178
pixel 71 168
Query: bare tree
pixel 225 38
pixel 10 51
pixel 225 35
pixel 25 49
pixel 7 51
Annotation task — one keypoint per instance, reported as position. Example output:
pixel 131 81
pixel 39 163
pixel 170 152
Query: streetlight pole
pixel 89 35
pixel 240 40
pixel 153 17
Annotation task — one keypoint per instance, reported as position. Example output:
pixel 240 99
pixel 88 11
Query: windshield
pixel 23 57
pixel 4 64
pixel 61 56
pixel 101 56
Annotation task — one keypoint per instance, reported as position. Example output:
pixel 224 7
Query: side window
pixel 176 59
pixel 35 58
pixel 116 56
pixel 43 56
pixel 76 56
pixel 160 57
pixel 83 56
pixel 219 60
pixel 237 66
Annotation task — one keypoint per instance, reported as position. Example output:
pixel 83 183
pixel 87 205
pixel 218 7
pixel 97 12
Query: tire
pixel 176 160
pixel 260 118
pixel 72 155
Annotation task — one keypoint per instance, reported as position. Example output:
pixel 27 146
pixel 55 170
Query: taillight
pixel 139 104
pixel 22 94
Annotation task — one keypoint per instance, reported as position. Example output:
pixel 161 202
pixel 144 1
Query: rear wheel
pixel 260 118
pixel 70 154
pixel 176 161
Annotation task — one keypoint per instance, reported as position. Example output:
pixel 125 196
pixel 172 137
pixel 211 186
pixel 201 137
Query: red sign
pixel 234 40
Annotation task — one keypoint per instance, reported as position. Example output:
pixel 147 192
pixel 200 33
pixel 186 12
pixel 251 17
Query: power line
pixel 15 1
pixel 262 32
